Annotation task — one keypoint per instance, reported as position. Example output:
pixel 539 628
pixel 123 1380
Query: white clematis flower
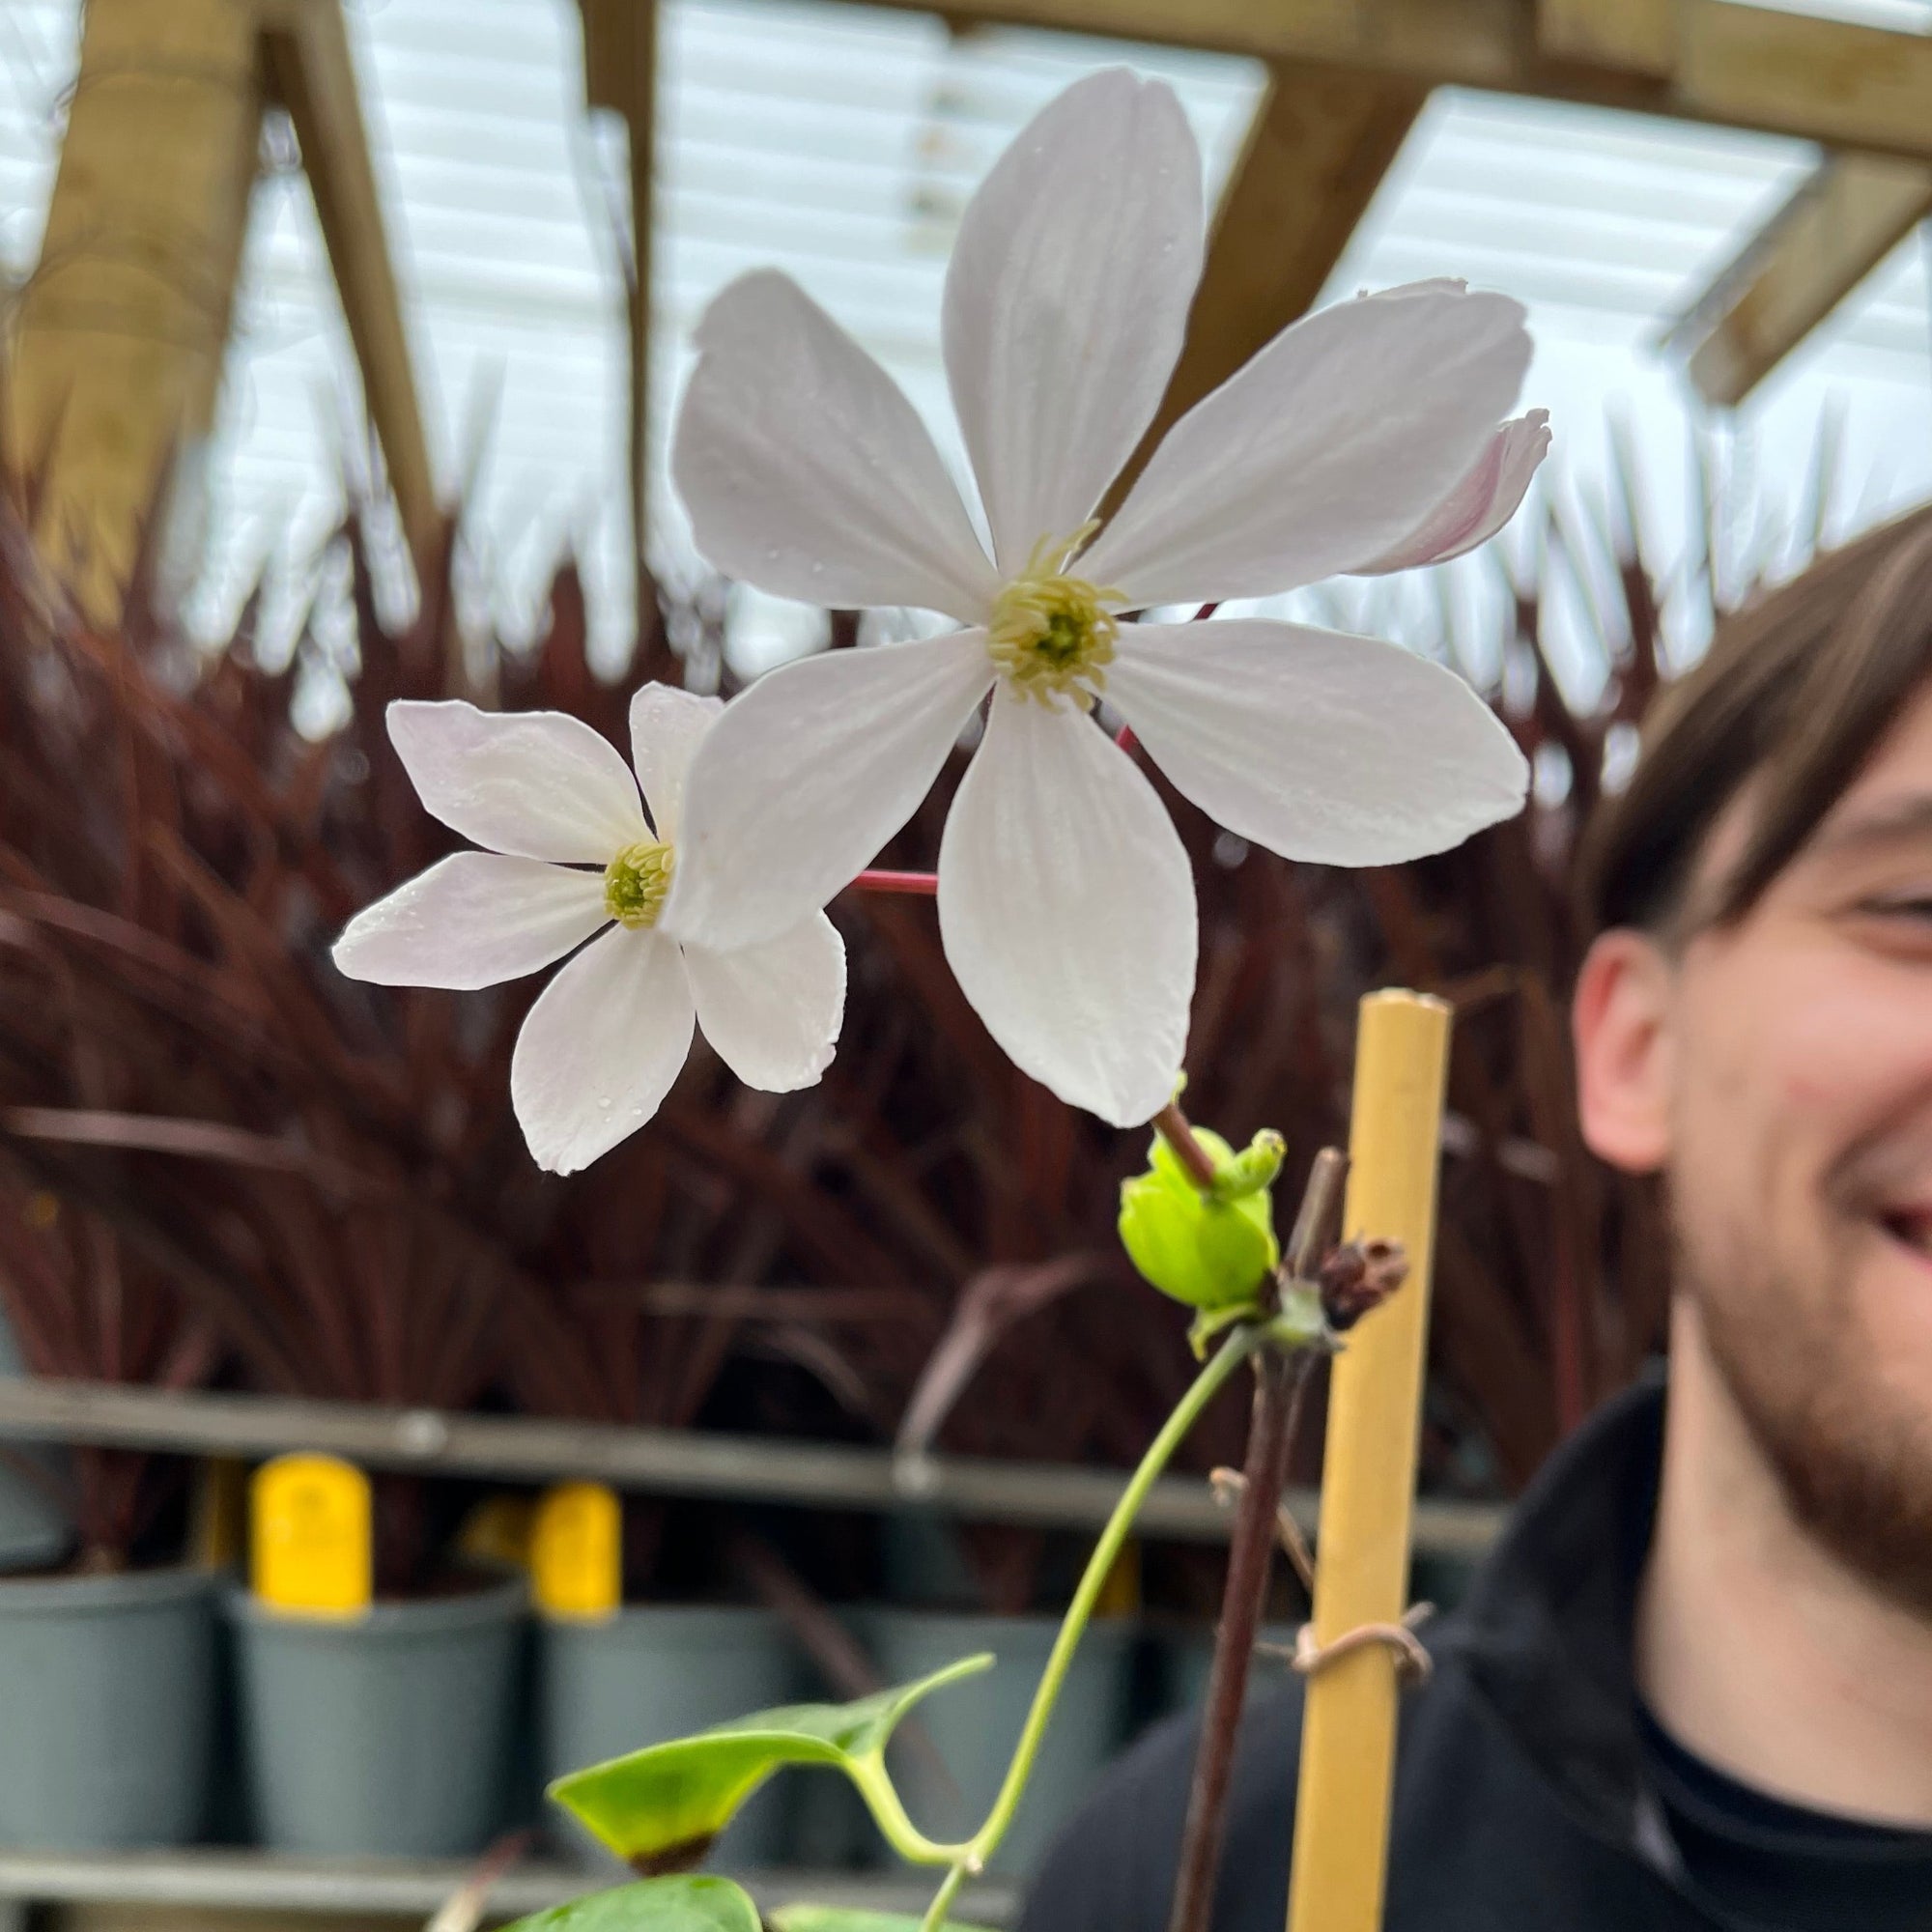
pixel 1480 505
pixel 1065 899
pixel 550 798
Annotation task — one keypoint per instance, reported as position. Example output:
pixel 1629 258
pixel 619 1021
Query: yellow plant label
pixel 311 1537
pixel 577 1551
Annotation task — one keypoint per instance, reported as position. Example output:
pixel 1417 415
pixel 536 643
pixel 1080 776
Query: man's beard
pixel 1852 1456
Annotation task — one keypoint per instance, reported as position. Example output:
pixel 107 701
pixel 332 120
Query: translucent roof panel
pixel 841 144
pixel 1609 226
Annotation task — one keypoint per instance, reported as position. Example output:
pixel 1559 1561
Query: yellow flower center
pixel 635 882
pixel 1051 635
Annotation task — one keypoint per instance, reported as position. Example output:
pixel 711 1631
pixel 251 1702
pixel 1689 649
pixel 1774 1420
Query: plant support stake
pixel 1368 1478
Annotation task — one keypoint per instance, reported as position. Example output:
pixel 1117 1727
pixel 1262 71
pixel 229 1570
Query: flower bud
pixel 1210 1250
pixel 1357 1277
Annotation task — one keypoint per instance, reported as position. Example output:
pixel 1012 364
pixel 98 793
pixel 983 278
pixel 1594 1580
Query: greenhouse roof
pixel 841 142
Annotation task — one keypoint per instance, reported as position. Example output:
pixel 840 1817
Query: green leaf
pixel 660 1807
pixel 836 1918
pixel 655 1905
pixel 1211 1251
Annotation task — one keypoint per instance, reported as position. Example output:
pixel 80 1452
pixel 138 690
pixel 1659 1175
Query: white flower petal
pixel 1066 299
pixel 1480 504
pixel 807 473
pixel 666 727
pixel 1344 751
pixel 1066 907
pixel 1327 449
pixel 807 775
pixel 772 1011
pixel 1430 285
pixel 600 1048
pixel 471 920
pixel 537 783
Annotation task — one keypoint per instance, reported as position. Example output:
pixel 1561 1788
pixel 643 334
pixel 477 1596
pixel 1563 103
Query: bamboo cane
pixel 1368 1486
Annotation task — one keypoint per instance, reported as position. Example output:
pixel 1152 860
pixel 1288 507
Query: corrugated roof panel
pixel 841 142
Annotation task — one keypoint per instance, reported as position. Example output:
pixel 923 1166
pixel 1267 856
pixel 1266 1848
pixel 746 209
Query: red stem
pixel 922 885
pixel 1172 1125
pixel 1278 1382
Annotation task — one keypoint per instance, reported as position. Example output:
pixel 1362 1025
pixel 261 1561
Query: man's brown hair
pixel 1792 698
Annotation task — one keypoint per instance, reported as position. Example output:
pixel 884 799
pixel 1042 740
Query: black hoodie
pixel 1524 1791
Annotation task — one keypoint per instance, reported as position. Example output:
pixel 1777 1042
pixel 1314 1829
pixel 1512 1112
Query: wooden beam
pixel 313 73
pixel 1852 87
pixel 1826 238
pixel 620 75
pixel 1639 36
pixel 1316 152
pixel 121 328
pixel 1473 42
pixel 1734 64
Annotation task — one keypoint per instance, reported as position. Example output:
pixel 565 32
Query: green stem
pixel 898 1830
pixel 935 1913
pixel 1233 1353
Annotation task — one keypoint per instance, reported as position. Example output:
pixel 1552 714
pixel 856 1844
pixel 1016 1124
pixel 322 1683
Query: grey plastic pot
pixel 387 1735
pixel 654 1672
pixel 107 1697
pixel 33 1533
pixel 974 1725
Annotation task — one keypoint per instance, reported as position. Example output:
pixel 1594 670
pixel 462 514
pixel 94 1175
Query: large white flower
pixel 1364 437
pixel 550 798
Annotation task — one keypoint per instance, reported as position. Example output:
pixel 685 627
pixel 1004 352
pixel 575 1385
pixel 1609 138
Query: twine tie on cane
pixel 1412 1663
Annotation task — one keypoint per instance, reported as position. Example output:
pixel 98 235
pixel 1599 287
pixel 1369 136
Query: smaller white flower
pixel 572 854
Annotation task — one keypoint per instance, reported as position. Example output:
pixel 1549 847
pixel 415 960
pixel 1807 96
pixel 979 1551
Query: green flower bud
pixel 1253 1170
pixel 1211 1251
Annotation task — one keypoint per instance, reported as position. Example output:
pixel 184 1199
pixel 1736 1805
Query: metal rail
pixel 209 1880
pixel 653 1462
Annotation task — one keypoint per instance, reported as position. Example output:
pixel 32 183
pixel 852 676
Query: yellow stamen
pixel 1051 635
pixel 635 882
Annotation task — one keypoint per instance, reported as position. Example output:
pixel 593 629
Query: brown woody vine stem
pixel 1279 1382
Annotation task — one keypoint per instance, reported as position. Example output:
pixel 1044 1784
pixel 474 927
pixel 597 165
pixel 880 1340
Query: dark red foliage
pixel 213 1145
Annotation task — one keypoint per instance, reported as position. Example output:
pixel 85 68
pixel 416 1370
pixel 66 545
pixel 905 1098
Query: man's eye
pixel 1915 910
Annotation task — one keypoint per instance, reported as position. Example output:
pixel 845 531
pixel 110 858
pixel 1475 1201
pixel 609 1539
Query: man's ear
pixel 1620 1023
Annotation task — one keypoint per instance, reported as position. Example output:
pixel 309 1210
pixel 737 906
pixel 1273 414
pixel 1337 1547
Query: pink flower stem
pixel 921 885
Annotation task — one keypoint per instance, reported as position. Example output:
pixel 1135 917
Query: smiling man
pixel 1693 1686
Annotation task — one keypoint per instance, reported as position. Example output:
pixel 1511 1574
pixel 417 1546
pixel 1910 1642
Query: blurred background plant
pixel 224 1159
